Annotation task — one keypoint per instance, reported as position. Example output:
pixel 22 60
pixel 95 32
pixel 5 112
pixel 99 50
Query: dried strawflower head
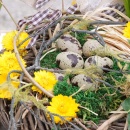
pixel 7 88
pixel 9 38
pixel 63 106
pixel 8 62
pixel 73 2
pixel 46 79
pixel 126 31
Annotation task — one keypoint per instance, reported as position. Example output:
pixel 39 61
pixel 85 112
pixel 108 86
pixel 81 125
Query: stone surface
pixel 18 9
pixel 54 4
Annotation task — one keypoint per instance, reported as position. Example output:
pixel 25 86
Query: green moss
pixel 49 61
pixel 81 37
pixel 62 87
pixel 127 7
pixel 101 102
pixel 111 77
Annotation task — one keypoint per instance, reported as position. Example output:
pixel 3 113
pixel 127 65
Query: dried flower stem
pixel 117 112
pixel 88 110
pixel 80 89
pixel 54 49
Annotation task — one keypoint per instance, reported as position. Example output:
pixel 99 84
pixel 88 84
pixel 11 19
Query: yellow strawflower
pixel 73 2
pixel 8 39
pixel 63 106
pixel 46 79
pixel 8 62
pixel 126 31
pixel 6 88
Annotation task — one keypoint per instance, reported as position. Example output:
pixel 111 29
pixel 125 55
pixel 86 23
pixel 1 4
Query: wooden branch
pixel 109 121
pixel 78 122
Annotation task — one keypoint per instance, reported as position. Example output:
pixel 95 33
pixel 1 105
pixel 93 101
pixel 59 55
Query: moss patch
pixel 49 61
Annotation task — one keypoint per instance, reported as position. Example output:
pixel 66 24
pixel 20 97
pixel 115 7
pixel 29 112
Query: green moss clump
pixel 101 102
pixel 113 77
pixel 49 61
pixel 81 37
pixel 62 87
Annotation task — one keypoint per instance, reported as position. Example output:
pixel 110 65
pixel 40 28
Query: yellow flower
pixel 46 79
pixel 126 31
pixel 73 2
pixel 8 62
pixel 7 40
pixel 63 106
pixel 6 88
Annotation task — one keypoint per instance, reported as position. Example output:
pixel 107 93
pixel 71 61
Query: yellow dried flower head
pixel 64 106
pixel 7 40
pixel 46 79
pixel 6 88
pixel 126 31
pixel 73 2
pixel 8 62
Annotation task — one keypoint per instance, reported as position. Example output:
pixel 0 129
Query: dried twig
pixel 126 125
pixel 12 123
pixel 36 116
pixel 109 121
pixel 93 33
pixel 78 122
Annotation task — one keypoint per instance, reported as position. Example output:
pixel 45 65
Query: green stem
pixel 127 7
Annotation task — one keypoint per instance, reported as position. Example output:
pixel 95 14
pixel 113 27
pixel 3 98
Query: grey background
pixel 18 9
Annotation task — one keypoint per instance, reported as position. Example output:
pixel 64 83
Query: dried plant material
pixel 90 14
pixel 109 121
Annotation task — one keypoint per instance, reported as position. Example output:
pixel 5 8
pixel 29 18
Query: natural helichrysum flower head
pixel 8 88
pixel 73 2
pixel 46 79
pixel 63 106
pixel 126 31
pixel 9 38
pixel 8 62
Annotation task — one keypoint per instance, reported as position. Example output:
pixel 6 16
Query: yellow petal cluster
pixel 7 88
pixel 8 62
pixel 46 79
pixel 73 2
pixel 64 106
pixel 126 31
pixel 8 39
